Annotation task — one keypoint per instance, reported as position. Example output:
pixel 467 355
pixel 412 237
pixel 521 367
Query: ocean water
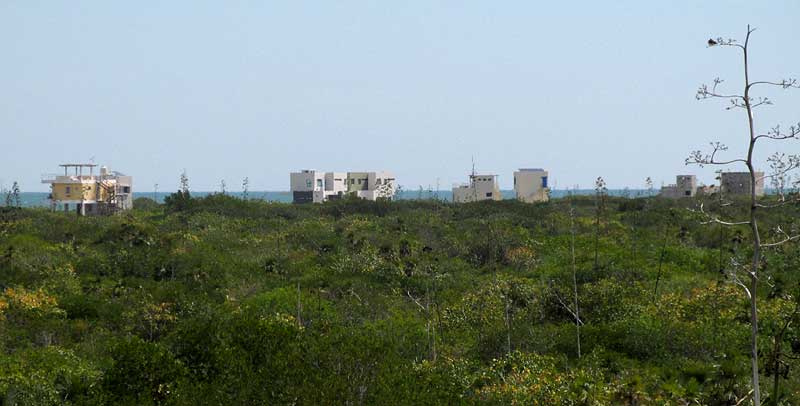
pixel 39 199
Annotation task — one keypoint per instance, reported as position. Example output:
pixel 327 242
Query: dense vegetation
pixel 224 301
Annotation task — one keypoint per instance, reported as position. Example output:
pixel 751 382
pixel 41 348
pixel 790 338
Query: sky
pixel 257 89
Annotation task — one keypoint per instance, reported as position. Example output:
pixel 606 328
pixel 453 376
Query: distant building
pixel 530 185
pixel 310 186
pixel 684 186
pixel 707 190
pixel 738 183
pixel 89 193
pixel 480 187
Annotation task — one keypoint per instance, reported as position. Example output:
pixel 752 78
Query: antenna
pixel 473 165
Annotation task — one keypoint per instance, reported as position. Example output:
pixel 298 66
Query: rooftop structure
pixel 530 185
pixel 89 193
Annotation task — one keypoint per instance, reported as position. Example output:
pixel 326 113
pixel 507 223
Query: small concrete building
pixel 738 183
pixel 684 186
pixel 90 193
pixel 530 185
pixel 480 187
pixel 310 186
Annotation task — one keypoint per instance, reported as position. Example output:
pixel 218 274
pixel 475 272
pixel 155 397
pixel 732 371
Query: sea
pixel 40 199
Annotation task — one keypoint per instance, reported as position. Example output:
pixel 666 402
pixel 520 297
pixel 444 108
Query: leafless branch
pixel 703 92
pixel 785 83
pixel 701 159
pixel 416 301
pixel 786 238
pixel 565 306
pixel 712 219
pixel 777 134
pixel 729 42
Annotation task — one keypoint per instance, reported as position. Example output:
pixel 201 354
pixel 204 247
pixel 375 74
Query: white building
pixel 480 187
pixel 530 185
pixel 310 186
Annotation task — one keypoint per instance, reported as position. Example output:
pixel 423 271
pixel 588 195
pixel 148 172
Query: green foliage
pixel 219 300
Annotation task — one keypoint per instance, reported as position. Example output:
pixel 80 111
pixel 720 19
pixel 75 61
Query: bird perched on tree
pixel 711 42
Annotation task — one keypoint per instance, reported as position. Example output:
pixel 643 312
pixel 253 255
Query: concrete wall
pixel 481 187
pixel 738 183
pixel 74 191
pixel 335 182
pixel 530 185
pixel 685 186
pixel 306 181
pixel 309 185
pixel 357 181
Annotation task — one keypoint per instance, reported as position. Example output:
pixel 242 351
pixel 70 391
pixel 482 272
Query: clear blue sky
pixel 260 88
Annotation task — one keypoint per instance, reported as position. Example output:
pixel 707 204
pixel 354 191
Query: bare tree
pixel 600 204
pixel 781 164
pixel 576 311
pixel 184 188
pixel 16 194
pixel 245 187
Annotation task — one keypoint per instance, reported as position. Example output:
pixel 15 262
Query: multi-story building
pixel 738 183
pixel 530 185
pixel 310 186
pixel 684 186
pixel 90 193
pixel 480 187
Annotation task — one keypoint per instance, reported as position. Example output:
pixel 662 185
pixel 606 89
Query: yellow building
pixel 89 193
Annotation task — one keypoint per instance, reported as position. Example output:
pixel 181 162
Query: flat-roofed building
pixel 480 187
pixel 738 183
pixel 310 186
pixel 684 186
pixel 530 185
pixel 88 193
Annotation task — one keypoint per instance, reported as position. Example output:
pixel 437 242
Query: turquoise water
pixel 39 199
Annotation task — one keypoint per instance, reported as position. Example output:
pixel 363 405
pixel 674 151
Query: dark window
pixel 126 189
pixel 489 194
pixel 544 181
pixel 688 193
pixel 303 197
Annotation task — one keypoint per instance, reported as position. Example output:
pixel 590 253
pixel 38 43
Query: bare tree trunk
pixel 783 166
pixel 756 236
pixel 660 264
pixel 574 279
pixel 299 307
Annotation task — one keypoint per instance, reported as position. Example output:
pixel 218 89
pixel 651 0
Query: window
pixel 319 182
pixel 126 189
pixel 544 181
pixel 688 193
pixel 308 182
pixel 352 181
pixel 489 194
pixel 359 181
pixel 69 190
